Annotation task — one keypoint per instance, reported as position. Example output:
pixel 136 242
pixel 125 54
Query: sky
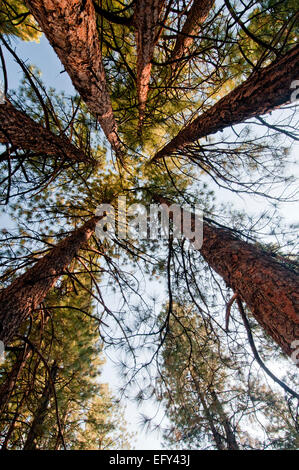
pixel 42 55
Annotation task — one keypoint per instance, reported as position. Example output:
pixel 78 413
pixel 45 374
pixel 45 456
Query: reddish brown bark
pixel 70 26
pixel 146 16
pixel 268 287
pixel 22 132
pixel 196 16
pixel 23 296
pixel 264 91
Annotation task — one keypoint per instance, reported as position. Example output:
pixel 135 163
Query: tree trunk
pixel 16 418
pixel 261 93
pixel 23 296
pixel 71 28
pixel 14 421
pixel 222 418
pixel 216 436
pixel 63 421
pixel 230 435
pixel 268 287
pixel 146 16
pixel 8 385
pixel 41 412
pixel 19 130
pixel 196 16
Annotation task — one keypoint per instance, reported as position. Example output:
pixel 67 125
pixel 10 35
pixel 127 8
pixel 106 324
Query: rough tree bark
pixel 196 16
pixel 146 16
pixel 230 435
pixel 71 28
pixel 19 130
pixel 264 91
pixel 268 287
pixel 40 414
pixel 19 300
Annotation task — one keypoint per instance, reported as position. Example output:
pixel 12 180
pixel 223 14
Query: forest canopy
pixel 180 111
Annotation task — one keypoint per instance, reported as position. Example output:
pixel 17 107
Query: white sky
pixel 43 56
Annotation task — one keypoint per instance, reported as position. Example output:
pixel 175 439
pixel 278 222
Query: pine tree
pixel 15 20
pixel 64 405
pixel 162 80
pixel 25 294
pixel 205 393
